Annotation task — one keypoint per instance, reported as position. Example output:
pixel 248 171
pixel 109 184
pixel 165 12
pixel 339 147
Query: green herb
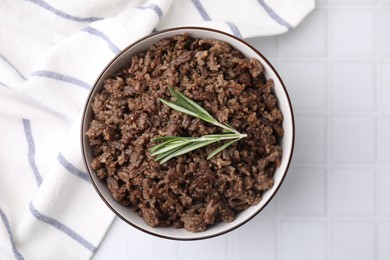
pixel 172 146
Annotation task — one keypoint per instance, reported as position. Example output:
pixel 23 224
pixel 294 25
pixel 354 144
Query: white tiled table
pixel 335 201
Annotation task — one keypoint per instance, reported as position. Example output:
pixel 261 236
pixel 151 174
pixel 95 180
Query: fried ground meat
pixel 188 191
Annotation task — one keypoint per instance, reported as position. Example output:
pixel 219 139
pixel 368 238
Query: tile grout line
pixel 177 256
pixel 378 104
pixel 302 218
pixel 341 113
pixel 329 175
pixel 356 165
pixel 346 59
pixel 128 240
pixel 228 251
pixel 177 250
pixel 353 7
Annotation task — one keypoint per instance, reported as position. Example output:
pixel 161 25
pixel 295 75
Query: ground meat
pixel 188 191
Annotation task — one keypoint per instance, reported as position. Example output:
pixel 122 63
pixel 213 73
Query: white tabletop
pixel 335 201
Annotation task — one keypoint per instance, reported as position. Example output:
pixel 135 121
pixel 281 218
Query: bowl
pixel 287 142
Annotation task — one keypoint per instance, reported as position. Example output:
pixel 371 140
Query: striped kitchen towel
pixel 51 52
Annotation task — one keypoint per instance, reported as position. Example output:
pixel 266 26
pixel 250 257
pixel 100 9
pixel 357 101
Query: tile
pixel 213 248
pixel 308 39
pixel 384 242
pixel 385 32
pixel 384 139
pixel 306 83
pixel 352 92
pixel 115 243
pixel 254 240
pixel 303 240
pixel 353 139
pixel 384 192
pixel 385 86
pixel 353 192
pixel 162 249
pixel 269 210
pixel 347 39
pixel 146 246
pixel 268 46
pixel 298 184
pixel 353 241
pixel 310 141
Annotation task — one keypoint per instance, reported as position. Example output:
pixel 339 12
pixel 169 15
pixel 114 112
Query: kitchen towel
pixel 51 52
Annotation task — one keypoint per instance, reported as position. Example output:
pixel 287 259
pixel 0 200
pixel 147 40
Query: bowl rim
pixel 87 101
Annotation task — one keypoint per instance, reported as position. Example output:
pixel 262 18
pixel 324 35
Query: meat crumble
pixel 188 191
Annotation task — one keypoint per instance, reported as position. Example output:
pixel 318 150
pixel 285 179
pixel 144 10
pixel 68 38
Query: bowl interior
pixel 287 141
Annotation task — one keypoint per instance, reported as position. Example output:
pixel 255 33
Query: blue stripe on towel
pixel 31 151
pixel 4 85
pixel 274 15
pixel 153 7
pixel 100 34
pixel 61 77
pixel 58 225
pixel 17 254
pixel 72 169
pixel 62 14
pixel 9 63
pixel 236 32
pixel 201 10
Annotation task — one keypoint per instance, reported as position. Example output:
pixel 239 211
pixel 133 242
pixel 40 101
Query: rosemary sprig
pixel 173 146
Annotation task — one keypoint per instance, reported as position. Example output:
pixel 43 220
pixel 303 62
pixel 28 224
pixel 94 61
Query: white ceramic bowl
pixel 287 141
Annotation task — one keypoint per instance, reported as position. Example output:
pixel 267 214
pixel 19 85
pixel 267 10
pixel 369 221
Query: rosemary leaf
pixel 186 149
pixel 160 146
pixel 221 148
pixel 187 102
pixel 179 108
pixel 173 146
pixel 168 138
